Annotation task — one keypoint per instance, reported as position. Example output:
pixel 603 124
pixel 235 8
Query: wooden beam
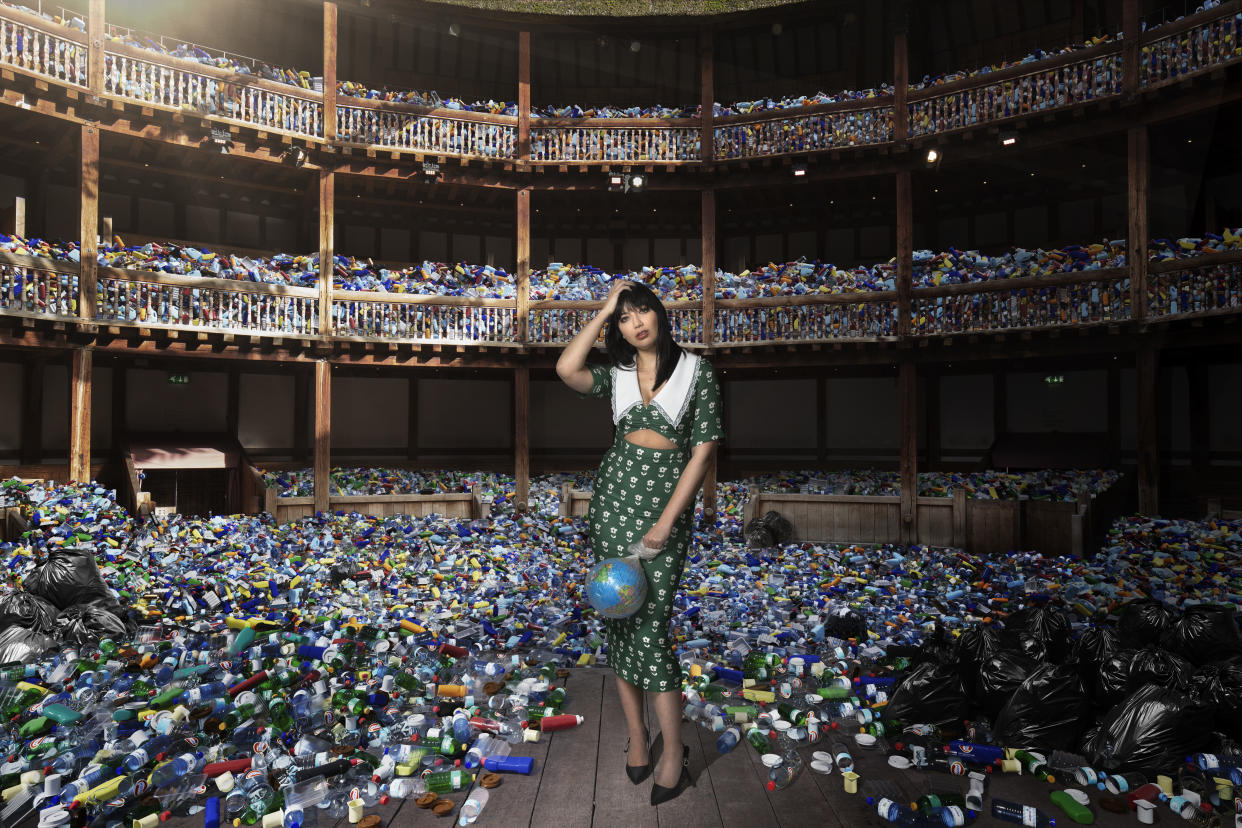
pixel 88 181
pixel 1130 44
pixel 523 71
pixel 95 47
pixel 908 389
pixel 521 437
pixel 901 64
pixel 523 263
pixel 707 95
pixel 32 410
pixel 709 489
pixel 323 433
pixel 330 31
pixel 19 216
pixel 905 251
pixel 80 415
pixel 708 227
pixel 1137 172
pixel 327 244
pixel 1147 361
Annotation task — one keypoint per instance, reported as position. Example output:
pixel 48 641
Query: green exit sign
pixel 178 379
pixel 1054 379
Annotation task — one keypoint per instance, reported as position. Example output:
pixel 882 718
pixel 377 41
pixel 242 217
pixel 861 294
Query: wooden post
pixel 821 419
pixel 707 96
pixel 709 488
pixel 19 216
pixel 905 251
pixel 327 245
pixel 908 388
pixel 901 74
pixel 105 229
pixel 521 437
pixel 80 416
pixel 323 433
pixel 301 412
pixel 932 387
pixel 36 201
pixel 32 410
pixel 1147 366
pixel 523 264
pixel 523 147
pixel 329 70
pixel 709 267
pixel 1129 49
pixel 95 46
pixel 1136 238
pixel 411 434
pixel 88 181
pixel 1000 404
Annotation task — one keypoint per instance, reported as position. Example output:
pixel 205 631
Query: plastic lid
pixel 899 762
pixel 820 766
pixel 772 760
pixel 864 739
pixel 822 756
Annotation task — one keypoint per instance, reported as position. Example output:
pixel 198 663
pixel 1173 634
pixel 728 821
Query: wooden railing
pixel 1196 44
pixel 1057 83
pixel 424 319
pixel 556 322
pixel 1207 284
pixel 807 318
pixel 630 140
pixel 182 85
pixel 829 126
pixel 162 300
pixel 32 286
pixel 1083 298
pixel 1169 53
pixel 418 129
pixel 34 45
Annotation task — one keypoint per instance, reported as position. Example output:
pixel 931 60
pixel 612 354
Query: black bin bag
pixel 1046 625
pixel 929 694
pixel 70 577
pixel 1092 647
pixel 1049 711
pixel 1220 685
pixel 1144 621
pixel 1205 633
pixel 89 623
pixel 19 644
pixel 1151 730
pixel 1160 667
pixel 25 609
pixel 974 646
pixel 999 678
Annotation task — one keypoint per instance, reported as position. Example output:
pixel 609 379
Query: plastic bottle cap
pixel 771 760
pixel 899 762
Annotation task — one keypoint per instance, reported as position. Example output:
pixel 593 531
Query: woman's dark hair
pixel 622 353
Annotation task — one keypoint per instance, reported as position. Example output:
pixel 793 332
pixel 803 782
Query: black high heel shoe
pixel 661 794
pixel 637 773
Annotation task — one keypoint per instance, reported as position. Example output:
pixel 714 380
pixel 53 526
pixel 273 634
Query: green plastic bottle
pixel 448 781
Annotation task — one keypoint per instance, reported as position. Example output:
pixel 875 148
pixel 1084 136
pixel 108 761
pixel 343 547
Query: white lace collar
pixel 673 400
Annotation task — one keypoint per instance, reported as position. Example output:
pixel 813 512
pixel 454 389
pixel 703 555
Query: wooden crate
pixel 464 505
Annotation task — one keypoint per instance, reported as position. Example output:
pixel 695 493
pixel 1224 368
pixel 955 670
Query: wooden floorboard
pixel 697 805
pixel 736 786
pixel 567 790
pixel 617 800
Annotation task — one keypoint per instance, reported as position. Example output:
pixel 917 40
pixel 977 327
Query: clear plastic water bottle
pixel 473 806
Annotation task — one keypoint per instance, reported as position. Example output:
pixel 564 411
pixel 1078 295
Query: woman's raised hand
pixel 614 294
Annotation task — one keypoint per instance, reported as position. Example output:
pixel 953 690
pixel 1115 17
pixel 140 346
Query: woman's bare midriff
pixel 646 438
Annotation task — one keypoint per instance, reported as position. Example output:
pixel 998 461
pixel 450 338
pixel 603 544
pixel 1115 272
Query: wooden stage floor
pixel 579 781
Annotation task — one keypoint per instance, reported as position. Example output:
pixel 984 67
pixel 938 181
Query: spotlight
pixel 627 183
pixel 777 28
pixel 294 156
pixel 799 168
pixel 635 45
pixel 221 138
pixel 454 29
pixel 1008 138
pixel 934 157
pixel 636 182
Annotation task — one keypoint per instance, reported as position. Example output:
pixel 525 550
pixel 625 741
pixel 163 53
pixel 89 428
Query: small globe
pixel 616 587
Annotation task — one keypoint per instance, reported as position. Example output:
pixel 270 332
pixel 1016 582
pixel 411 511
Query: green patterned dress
pixel 632 487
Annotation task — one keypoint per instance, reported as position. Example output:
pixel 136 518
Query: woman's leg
pixel 632 705
pixel 668 714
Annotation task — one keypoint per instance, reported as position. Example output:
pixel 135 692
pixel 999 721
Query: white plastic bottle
pixel 473 806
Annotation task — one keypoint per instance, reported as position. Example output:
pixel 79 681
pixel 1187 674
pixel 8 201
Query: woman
pixel 666 409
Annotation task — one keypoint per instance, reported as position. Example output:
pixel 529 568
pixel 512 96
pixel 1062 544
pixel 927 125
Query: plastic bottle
pixel 473 806
pixel 1019 814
